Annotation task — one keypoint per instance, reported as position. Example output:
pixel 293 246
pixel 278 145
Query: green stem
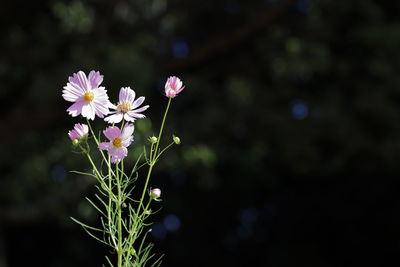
pixel 162 127
pixel 154 156
pixel 110 197
pixel 119 217
pixel 152 161
pixel 165 149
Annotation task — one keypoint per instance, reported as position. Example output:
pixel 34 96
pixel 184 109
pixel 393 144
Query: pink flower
pixel 173 86
pixel 89 99
pixel 118 141
pixel 127 108
pixel 80 131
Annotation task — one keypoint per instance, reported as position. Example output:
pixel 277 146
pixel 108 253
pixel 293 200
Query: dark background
pixel 289 126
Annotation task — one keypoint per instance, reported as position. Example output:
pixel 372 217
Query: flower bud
pixel 176 139
pixel 153 139
pixel 173 86
pixel 75 142
pixel 155 193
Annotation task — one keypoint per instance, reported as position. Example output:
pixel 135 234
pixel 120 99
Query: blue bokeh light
pixel 299 109
pixel 172 222
pixel 180 48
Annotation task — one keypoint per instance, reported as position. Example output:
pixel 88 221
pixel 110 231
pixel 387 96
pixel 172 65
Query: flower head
pixel 80 131
pixel 89 98
pixel 173 86
pixel 118 141
pixel 127 108
pixel 155 193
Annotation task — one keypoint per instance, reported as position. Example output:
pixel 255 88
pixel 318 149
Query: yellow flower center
pixel 124 107
pixel 88 96
pixel 117 142
pixel 173 88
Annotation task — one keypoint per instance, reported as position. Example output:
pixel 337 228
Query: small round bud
pixel 153 139
pixel 155 193
pixel 75 142
pixel 176 139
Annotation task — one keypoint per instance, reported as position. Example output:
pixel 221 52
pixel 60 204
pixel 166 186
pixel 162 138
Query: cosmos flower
pixel 89 98
pixel 173 86
pixel 118 141
pixel 80 131
pixel 127 108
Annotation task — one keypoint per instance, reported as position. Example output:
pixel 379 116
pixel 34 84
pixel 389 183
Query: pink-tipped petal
pixel 80 80
pixel 112 132
pixel 180 90
pixel 75 109
pixel 95 79
pixel 126 94
pixel 71 93
pixel 105 146
pixel 73 135
pixel 118 153
pixel 79 131
pixel 138 102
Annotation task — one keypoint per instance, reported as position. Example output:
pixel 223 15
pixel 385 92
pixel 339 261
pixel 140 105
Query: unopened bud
pixel 153 139
pixel 176 139
pixel 75 142
pixel 155 193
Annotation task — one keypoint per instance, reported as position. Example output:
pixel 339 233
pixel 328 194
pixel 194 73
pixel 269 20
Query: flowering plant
pixel 123 215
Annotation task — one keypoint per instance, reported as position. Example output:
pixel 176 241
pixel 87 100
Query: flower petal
pixel 126 94
pixel 135 115
pixel 112 132
pixel 138 102
pixel 95 79
pixel 72 92
pixel 88 111
pixel 115 118
pixel 76 108
pixel 118 153
pixel 140 109
pixel 129 118
pixel 105 146
pixel 80 80
pixel 127 131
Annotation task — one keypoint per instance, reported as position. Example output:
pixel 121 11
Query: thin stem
pixel 94 166
pixel 110 197
pixel 152 161
pixel 154 156
pixel 165 149
pixel 162 126
pixel 119 216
